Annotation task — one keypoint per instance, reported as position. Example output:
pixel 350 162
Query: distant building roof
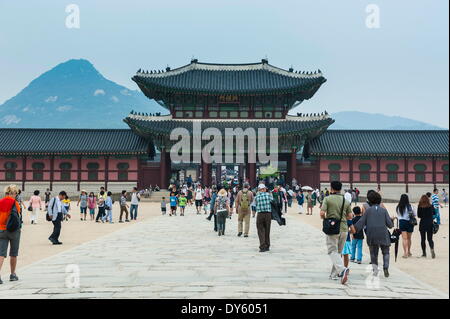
pixel 71 141
pixel 207 78
pixel 381 142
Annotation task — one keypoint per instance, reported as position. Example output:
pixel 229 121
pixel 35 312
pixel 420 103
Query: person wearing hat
pixel 263 202
pixel 222 210
pixel 243 201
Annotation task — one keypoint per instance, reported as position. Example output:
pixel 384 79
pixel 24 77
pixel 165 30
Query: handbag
pixel 47 216
pixel 332 226
pixel 412 219
pixel 14 221
pixel 435 228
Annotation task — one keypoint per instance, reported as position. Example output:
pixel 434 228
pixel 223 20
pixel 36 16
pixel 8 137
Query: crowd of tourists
pixel 345 227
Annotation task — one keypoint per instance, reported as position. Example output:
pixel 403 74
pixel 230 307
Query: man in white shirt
pixel 348 196
pixel 199 192
pixel 135 198
pixel 56 212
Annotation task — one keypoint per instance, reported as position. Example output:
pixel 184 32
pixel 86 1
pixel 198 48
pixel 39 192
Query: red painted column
pixel 52 171
pixel 106 171
pixel 163 172
pixel 206 173
pixel 378 172
pixel 351 171
pixel 252 174
pixel 24 172
pixel 79 173
pixel 406 171
pixel 434 172
pixel 292 173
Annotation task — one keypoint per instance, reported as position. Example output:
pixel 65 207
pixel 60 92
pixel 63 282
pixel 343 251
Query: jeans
pixel 437 215
pixel 133 211
pixel 357 247
pixel 335 245
pixel 385 250
pixel 221 220
pixel 54 237
pixel 83 210
pixel 109 215
pixel 100 213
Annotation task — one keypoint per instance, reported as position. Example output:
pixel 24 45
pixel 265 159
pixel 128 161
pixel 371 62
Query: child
pixel 123 207
pixel 163 205
pixel 108 207
pixel 207 206
pixel 92 202
pixel 348 246
pixel 182 202
pixel 173 204
pixel 358 238
pixel 66 204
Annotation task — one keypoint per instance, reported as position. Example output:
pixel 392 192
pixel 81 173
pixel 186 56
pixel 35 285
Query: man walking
pixel 243 200
pixel 263 202
pixel 337 210
pixel 57 213
pixel 436 205
pixel 135 198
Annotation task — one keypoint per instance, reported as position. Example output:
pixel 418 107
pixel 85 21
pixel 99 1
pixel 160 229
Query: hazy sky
pixel 400 68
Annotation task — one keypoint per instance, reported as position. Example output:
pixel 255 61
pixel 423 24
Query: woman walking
pixel 101 207
pixel 222 209
pixel 92 203
pixel 300 201
pixel 406 217
pixel 425 212
pixel 376 219
pixel 36 206
pixel 82 202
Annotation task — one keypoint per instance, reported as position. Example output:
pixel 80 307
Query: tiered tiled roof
pixel 205 78
pixel 70 141
pixel 381 142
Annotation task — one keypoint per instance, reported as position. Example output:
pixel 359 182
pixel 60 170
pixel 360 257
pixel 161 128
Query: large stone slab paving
pixel 182 257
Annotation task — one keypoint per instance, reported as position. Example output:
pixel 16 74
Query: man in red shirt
pixel 9 238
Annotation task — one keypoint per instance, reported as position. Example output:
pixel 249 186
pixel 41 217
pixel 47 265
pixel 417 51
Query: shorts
pixel 173 207
pixel 182 207
pixel 406 226
pixel 347 248
pixel 198 203
pixel 163 209
pixel 83 210
pixel 92 211
pixel 6 239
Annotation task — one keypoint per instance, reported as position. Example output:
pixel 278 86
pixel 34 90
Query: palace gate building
pixel 218 97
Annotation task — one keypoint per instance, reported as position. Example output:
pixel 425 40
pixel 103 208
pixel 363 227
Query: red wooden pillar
pixel 252 174
pixel 292 167
pixel 24 172
pixel 378 172
pixel 434 172
pixel 79 173
pixel 406 171
pixel 106 171
pixel 351 171
pixel 206 172
pixel 163 166
pixel 52 171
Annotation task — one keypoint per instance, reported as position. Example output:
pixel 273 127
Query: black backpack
pixel 14 221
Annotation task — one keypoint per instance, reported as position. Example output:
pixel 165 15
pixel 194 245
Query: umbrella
pixel 395 239
pixel 307 188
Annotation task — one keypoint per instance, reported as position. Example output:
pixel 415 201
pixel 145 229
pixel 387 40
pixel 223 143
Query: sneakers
pixel 359 262
pixel 344 276
pixel 246 236
pixel 13 277
pixel 239 234
pixel 433 254
pixel 386 272
pixel 1 282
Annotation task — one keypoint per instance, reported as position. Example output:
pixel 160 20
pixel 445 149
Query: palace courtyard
pixel 181 257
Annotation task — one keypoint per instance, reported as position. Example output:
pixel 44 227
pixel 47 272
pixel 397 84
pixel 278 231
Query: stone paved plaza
pixel 181 257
